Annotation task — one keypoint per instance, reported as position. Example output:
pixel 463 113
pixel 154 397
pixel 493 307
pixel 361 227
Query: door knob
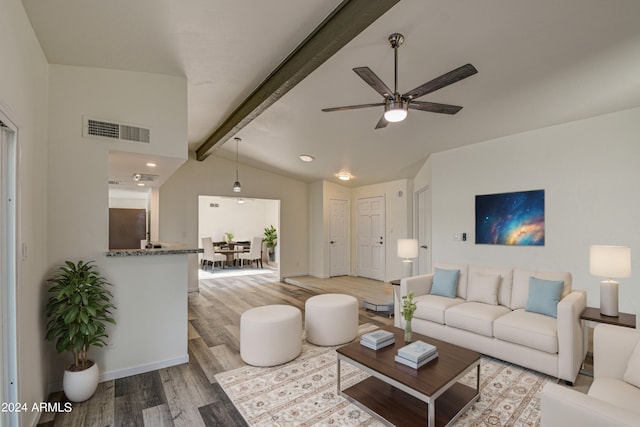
pixel 332 242
pixel 380 242
pixel 424 247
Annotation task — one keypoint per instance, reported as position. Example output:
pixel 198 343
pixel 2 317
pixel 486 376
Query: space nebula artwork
pixel 510 218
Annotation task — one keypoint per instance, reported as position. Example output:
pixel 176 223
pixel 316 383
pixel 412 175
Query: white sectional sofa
pixel 614 396
pixel 487 314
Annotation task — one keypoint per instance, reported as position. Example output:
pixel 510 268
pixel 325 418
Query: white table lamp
pixel 407 249
pixel 612 262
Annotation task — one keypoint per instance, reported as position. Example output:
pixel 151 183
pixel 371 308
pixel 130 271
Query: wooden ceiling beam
pixel 348 20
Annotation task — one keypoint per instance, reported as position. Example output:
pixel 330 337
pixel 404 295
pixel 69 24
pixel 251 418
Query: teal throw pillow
pixel 544 296
pixel 445 282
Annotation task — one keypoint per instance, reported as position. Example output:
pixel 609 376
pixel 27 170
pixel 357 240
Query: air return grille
pixel 98 128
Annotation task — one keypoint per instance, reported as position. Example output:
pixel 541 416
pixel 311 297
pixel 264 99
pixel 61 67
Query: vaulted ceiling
pixel 539 63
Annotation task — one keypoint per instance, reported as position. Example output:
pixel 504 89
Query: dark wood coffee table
pixel 403 396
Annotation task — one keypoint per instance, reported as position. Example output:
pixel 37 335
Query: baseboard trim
pixel 141 369
pixel 133 370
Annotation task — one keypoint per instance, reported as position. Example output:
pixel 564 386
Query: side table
pixel 592 314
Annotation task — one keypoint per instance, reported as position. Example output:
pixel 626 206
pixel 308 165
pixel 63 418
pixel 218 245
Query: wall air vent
pixel 214 205
pixel 144 177
pixel 111 182
pixel 99 128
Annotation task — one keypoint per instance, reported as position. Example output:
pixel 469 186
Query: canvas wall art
pixel 510 218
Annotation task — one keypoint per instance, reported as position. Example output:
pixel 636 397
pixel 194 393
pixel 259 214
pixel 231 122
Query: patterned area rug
pixel 303 393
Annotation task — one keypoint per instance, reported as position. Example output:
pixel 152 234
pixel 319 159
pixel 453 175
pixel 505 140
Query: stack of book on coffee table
pixel 416 354
pixel 377 339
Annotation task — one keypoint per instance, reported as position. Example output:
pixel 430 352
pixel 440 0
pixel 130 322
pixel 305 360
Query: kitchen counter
pixel 170 249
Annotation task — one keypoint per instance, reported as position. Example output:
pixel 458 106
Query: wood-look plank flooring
pixel 188 395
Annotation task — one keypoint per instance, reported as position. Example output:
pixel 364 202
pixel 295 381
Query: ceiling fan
pixel 397 105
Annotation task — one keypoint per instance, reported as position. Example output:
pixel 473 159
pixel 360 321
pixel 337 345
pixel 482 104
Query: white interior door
pixel 423 230
pixel 371 237
pixel 338 237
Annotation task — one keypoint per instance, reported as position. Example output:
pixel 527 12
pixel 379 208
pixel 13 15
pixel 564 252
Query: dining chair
pixel 209 255
pixel 219 258
pixel 254 254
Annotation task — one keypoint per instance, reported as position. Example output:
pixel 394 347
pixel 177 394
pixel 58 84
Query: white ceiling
pixel 539 63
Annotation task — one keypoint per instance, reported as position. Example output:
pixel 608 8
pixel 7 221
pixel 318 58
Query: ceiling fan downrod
pixel 395 40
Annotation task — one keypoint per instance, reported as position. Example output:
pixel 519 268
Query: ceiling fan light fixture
pixel 396 110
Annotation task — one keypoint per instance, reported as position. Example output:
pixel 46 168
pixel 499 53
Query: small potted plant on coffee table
pixel 408 308
pixel 78 308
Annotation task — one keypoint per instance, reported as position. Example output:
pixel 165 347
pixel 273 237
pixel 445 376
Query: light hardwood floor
pixel 188 395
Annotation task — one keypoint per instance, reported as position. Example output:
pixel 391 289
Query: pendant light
pixel 236 185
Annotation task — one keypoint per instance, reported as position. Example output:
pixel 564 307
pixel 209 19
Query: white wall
pixel 23 98
pixel 78 201
pixel 589 171
pixel 215 176
pixel 397 221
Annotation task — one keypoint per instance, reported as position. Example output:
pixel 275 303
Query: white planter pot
pixel 80 386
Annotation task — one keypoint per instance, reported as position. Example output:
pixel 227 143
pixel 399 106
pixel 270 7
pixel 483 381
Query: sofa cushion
pixel 462 279
pixel 520 291
pixel 506 281
pixel 474 317
pixel 544 296
pixel 483 288
pixel 616 392
pixel 632 374
pixel 445 282
pixel 432 307
pixel 528 329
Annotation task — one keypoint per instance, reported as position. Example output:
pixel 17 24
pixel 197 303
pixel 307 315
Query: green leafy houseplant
pixel 229 237
pixel 78 308
pixel 270 237
pixel 408 308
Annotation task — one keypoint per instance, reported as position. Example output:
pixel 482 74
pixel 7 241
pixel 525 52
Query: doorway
pixel 338 237
pixel 242 219
pixel 371 237
pixel 8 269
pixel 423 229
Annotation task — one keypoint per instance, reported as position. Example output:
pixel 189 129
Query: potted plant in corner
pixel 271 241
pixel 78 308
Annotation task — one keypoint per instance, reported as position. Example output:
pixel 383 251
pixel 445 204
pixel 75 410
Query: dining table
pixel 229 253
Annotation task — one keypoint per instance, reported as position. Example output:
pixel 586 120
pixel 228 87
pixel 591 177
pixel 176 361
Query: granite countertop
pixel 166 249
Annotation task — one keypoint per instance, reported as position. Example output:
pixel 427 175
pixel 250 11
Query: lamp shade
pixel 407 248
pixel 613 262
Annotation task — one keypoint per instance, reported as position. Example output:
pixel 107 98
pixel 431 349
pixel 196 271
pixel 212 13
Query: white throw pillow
pixel 483 288
pixel 632 374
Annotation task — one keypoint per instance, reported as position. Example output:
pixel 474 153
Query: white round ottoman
pixel 270 335
pixel 331 319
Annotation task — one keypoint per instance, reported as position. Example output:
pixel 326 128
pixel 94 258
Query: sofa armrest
pixel 612 348
pixel 419 285
pixel 562 406
pixel 571 350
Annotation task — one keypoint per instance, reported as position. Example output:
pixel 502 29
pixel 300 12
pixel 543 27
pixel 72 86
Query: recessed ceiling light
pixel 151 165
pixel 306 158
pixel 141 184
pixel 137 176
pixel 241 201
pixel 344 176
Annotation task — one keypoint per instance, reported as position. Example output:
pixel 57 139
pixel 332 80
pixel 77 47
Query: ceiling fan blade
pixel 435 107
pixel 382 123
pixel 352 107
pixel 442 81
pixel 374 81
